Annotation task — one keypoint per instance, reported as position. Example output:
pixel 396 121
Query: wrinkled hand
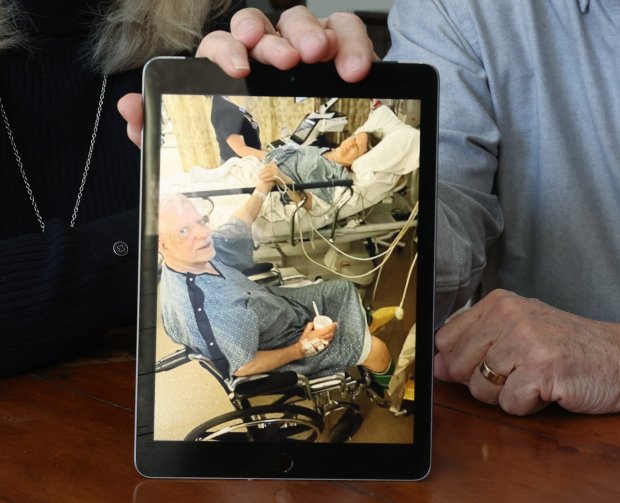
pixel 548 355
pixel 314 341
pixel 265 186
pixel 300 36
pixel 271 173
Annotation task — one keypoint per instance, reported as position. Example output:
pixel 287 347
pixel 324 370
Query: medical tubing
pixel 347 276
pixel 336 203
pixel 397 239
pixel 414 213
pixel 374 288
pixel 415 257
pixel 389 252
pixel 413 263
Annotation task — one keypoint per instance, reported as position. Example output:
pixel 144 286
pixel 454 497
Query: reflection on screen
pixel 303 131
pixel 288 285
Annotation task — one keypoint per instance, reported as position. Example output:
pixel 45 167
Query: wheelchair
pixel 285 405
pixel 282 405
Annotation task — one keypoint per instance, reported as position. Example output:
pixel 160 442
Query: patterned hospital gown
pixel 307 164
pixel 245 316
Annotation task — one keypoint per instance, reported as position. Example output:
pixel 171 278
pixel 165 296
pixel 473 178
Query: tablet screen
pixel 282 283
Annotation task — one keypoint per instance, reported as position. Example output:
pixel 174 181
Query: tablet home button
pixel 284 462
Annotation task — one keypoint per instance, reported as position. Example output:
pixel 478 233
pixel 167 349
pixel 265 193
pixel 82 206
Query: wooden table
pixel 66 434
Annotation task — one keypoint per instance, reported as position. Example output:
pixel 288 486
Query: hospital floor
pixel 188 395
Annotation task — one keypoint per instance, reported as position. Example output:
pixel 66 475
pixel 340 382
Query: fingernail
pixel 353 64
pixel 240 63
pixel 285 49
pixel 246 26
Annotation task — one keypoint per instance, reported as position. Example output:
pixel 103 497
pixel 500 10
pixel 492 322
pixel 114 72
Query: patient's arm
pixel 248 212
pixel 266 361
pixel 297 197
pixel 272 173
pixel 272 359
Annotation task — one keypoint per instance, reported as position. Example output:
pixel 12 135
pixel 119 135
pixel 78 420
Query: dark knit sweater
pixel 61 288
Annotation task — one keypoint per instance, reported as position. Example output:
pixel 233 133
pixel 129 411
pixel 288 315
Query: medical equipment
pixel 313 125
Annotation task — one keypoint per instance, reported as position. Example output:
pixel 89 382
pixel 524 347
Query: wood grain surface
pixel 66 435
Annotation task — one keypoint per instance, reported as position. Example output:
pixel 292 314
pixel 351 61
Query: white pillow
pixel 398 153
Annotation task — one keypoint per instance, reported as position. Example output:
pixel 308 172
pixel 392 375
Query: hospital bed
pixel 379 177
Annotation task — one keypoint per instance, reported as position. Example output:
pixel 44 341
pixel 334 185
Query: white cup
pixel 321 321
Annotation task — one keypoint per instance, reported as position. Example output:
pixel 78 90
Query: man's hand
pixel 546 355
pixel 272 359
pixel 299 36
pixel 271 173
pixel 313 341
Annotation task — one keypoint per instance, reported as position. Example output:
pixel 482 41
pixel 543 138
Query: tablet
pixel 286 272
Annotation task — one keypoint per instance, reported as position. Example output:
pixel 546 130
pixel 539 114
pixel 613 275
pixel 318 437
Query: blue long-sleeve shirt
pixel 529 146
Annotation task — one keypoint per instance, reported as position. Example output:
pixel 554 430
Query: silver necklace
pixel 20 165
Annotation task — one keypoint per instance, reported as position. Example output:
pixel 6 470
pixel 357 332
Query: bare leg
pixel 379 357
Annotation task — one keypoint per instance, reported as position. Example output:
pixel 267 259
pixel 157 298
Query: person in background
pixel 288 164
pixel 236 131
pixel 529 144
pixel 69 177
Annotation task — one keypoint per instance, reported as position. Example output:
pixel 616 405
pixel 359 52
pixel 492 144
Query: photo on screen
pixel 287 286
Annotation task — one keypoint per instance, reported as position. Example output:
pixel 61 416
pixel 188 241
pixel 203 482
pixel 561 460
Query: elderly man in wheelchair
pixel 242 331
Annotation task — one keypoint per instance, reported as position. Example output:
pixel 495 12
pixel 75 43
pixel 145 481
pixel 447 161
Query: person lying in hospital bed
pixel 287 165
pixel 375 174
pixel 246 328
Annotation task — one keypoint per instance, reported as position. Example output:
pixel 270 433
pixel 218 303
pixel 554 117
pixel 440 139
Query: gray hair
pixel 169 204
pixel 10 16
pixel 172 202
pixel 130 32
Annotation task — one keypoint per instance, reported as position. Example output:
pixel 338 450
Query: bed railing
pixel 295 187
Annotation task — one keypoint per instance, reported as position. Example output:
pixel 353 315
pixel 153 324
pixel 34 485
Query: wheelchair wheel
pixel 347 426
pixel 269 423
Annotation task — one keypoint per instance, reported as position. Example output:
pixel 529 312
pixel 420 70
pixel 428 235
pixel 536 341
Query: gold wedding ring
pixel 491 376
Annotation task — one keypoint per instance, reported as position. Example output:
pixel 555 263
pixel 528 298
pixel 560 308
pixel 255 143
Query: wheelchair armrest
pixel 258 268
pixel 271 384
pixel 262 272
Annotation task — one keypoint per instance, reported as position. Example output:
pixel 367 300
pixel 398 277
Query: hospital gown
pixel 306 165
pixel 245 316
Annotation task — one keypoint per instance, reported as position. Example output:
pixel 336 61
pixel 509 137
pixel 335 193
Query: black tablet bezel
pixel 296 461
